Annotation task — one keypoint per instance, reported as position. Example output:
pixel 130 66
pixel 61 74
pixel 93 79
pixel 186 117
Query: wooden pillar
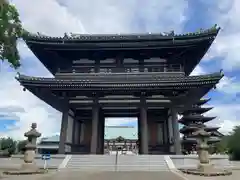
pixel 74 135
pixel 101 132
pixel 77 129
pixel 139 136
pixel 144 126
pixel 63 131
pixel 141 65
pixel 97 66
pixel 119 64
pixel 95 124
pixel 176 133
pixel 165 127
pixel 170 132
pixel 82 132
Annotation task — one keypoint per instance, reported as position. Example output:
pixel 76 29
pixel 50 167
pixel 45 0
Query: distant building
pixel 49 145
pixel 115 137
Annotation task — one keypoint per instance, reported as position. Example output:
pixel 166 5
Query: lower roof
pixel 52 90
pixel 121 81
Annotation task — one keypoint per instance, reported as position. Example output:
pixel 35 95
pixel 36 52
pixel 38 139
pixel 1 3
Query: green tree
pixel 8 145
pixel 10 31
pixel 233 143
pixel 222 146
pixel 21 146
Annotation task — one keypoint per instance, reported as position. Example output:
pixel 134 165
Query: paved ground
pixel 17 162
pixel 234 176
pixel 113 175
pixel 75 175
pixel 100 176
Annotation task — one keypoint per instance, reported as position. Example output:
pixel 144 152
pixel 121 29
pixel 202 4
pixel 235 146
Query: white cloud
pixel 226 14
pixel 198 71
pixel 229 85
pixel 78 16
pixel 120 121
pixel 27 108
pixel 227 116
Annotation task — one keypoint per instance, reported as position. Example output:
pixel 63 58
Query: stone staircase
pixel 121 163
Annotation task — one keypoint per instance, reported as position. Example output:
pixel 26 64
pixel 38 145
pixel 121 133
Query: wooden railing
pixel 131 68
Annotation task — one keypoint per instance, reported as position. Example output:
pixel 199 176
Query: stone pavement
pixel 234 176
pixel 76 175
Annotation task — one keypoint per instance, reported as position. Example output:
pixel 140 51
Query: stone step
pixel 124 163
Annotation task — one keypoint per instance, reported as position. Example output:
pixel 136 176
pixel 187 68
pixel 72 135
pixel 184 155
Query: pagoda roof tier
pixel 196 110
pixel 202 101
pixel 190 129
pixel 211 140
pixel 185 49
pixel 194 118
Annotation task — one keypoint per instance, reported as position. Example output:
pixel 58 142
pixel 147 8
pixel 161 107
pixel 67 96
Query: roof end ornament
pixel 171 33
pixel 221 72
pixel 17 75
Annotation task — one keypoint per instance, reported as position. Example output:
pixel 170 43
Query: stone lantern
pixel 202 148
pixel 29 166
pixel 31 147
pixel 205 167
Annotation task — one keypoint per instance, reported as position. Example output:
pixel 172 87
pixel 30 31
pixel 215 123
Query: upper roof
pixel 186 49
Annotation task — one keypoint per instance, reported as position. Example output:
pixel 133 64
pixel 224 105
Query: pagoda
pixel 193 120
pixel 121 75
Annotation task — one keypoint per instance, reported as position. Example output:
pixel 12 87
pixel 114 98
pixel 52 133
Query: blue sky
pixel 19 109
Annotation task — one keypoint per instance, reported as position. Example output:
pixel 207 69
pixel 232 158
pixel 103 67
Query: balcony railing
pixel 125 69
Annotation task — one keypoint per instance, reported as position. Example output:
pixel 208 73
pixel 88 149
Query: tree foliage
pixel 233 143
pixel 21 146
pixel 8 145
pixel 222 146
pixel 10 31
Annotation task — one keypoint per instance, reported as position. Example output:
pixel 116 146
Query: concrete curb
pixel 64 162
pixel 170 163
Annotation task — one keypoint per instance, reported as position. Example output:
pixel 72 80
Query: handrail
pixel 116 161
pixel 126 68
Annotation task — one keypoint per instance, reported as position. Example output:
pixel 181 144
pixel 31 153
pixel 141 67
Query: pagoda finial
pixel 215 27
pixel 18 75
pixel 221 72
pixel 65 35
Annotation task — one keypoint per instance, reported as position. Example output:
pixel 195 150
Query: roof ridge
pixel 213 29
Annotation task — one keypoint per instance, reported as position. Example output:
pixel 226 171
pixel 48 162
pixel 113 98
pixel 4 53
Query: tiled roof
pixel 130 133
pixel 111 132
pixel 189 118
pixel 122 80
pixel 198 110
pixel 51 139
pixel 116 37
